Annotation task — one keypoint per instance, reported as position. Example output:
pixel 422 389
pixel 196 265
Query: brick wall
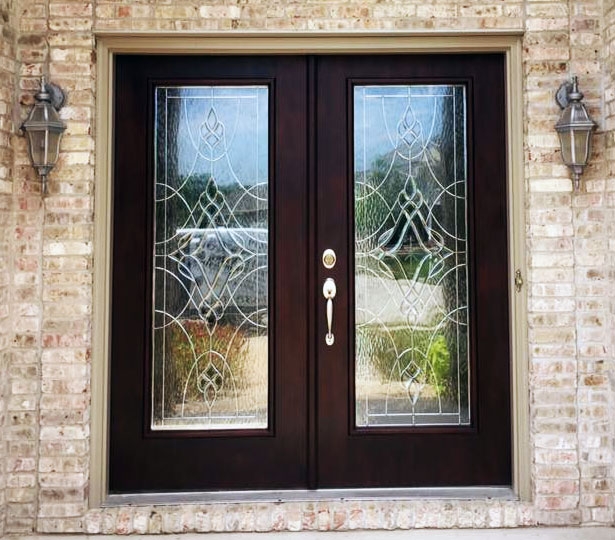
pixel 314 15
pixel 570 246
pixel 609 154
pixel 590 214
pixel 7 85
pixel 24 376
pixel 569 312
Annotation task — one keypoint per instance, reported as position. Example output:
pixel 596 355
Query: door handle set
pixel 329 290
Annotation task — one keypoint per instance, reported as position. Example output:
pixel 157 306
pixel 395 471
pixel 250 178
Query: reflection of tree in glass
pixel 410 217
pixel 390 229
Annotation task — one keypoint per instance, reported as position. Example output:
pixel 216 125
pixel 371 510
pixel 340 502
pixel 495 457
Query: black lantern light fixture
pixel 574 128
pixel 44 129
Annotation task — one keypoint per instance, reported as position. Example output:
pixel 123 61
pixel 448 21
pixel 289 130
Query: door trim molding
pixel 111 44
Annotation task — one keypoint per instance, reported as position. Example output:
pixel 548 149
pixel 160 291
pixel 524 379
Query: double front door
pixel 309 273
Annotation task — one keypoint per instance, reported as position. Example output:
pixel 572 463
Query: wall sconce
pixel 44 129
pixel 574 128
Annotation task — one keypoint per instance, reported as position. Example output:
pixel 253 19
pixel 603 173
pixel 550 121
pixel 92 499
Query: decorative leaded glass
pixel 210 328
pixel 411 365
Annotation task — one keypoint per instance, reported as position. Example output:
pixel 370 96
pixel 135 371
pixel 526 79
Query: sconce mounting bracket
pixel 57 95
pixel 561 96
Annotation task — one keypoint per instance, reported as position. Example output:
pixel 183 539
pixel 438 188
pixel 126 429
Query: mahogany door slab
pixel 476 451
pixel 312 437
pixel 143 459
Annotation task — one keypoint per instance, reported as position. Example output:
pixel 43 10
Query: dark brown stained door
pixel 232 176
pixel 219 228
pixel 411 196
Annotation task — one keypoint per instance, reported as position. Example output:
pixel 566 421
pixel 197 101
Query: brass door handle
pixel 328 291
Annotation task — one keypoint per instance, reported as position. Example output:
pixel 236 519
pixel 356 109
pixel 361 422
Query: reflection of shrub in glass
pixel 398 352
pixel 192 352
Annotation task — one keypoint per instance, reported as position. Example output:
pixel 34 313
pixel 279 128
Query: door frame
pixel 111 44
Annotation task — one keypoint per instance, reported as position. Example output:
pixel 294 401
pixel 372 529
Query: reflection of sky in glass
pixel 378 110
pixel 231 144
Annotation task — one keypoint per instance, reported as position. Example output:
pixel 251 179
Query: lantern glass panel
pixel 575 146
pixel 54 147
pixel 580 146
pixel 36 140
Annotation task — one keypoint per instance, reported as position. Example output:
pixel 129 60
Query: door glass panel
pixel 411 297
pixel 210 351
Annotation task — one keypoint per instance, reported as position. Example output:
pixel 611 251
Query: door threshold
pixel 290 495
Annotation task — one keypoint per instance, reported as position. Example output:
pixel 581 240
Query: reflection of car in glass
pixel 225 271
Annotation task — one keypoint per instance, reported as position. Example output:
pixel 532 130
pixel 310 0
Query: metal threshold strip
pixel 387 494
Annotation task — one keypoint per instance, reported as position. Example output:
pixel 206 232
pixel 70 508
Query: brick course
pixel 47 250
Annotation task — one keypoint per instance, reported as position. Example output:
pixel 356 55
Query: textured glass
pixel 210 352
pixel 411 317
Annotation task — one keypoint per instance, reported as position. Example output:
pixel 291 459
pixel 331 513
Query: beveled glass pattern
pixel 411 297
pixel 210 352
